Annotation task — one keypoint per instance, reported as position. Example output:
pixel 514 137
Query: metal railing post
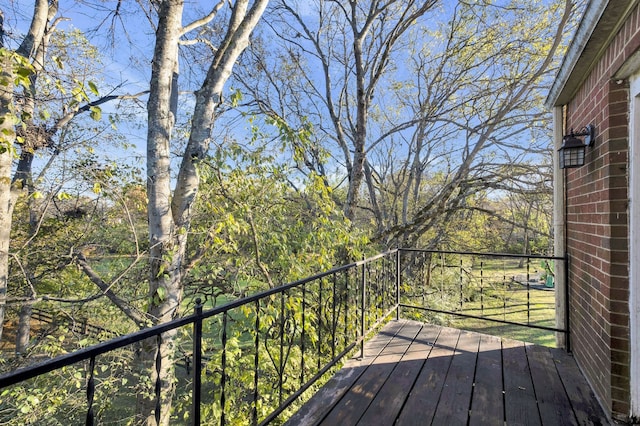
pixel 197 362
pixel 158 386
pixel 91 392
pixel 256 359
pixel 223 368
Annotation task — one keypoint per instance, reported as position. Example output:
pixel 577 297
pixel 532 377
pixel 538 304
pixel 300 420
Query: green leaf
pixel 93 88
pixel 79 94
pixel 162 293
pixel 60 87
pixel 236 97
pixel 23 72
pixel 58 62
pixel 96 113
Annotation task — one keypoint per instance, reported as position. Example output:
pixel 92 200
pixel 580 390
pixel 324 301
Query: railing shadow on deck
pixel 250 359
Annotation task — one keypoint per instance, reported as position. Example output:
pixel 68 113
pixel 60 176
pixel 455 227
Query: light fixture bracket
pixel 588 132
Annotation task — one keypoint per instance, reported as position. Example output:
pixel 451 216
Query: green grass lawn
pixel 536 309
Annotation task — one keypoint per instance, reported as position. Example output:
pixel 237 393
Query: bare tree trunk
pixel 165 292
pixel 170 213
pixel 24 328
pixel 525 245
pixel 44 11
pixel 7 134
pixel 23 177
pixel 362 111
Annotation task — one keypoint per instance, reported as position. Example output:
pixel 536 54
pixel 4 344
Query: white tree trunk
pixel 6 158
pixel 165 292
pixel 170 213
pixel 43 12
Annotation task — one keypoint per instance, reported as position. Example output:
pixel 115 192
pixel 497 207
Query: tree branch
pixel 131 312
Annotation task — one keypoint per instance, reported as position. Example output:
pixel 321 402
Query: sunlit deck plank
pixel 420 374
pixel 453 407
pixel 317 408
pixel 422 401
pixel 358 399
pixel 388 402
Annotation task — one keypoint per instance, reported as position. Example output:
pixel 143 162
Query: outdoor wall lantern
pixel 573 149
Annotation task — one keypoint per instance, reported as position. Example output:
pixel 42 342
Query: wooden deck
pixel 420 374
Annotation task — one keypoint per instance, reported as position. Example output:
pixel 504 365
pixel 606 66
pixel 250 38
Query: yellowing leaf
pixel 96 113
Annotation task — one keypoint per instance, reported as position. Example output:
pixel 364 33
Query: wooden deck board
pixel 580 394
pixel 362 393
pixel 519 397
pixel 424 396
pixel 316 408
pixel 421 374
pixel 488 407
pixel 553 401
pixel 455 400
pixel 387 403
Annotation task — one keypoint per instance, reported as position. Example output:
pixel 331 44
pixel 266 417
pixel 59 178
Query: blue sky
pixel 126 40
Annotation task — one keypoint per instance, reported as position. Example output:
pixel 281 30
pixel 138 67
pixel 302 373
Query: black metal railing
pixel 509 289
pixel 251 358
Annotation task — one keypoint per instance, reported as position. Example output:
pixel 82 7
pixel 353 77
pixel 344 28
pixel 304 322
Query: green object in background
pixel 549 281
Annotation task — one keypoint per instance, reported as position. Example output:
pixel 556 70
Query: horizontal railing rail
pixel 503 288
pixel 262 351
pixel 482 254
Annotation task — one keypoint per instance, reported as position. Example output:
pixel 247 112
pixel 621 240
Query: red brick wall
pixel 597 227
